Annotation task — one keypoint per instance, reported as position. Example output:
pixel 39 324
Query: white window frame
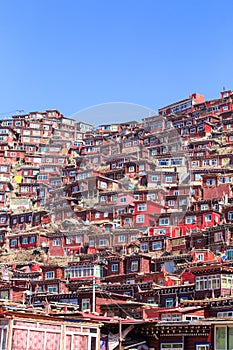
pixel 208 217
pixel 142 207
pixel 169 302
pixel 86 304
pixel 56 242
pixel 115 267
pixel 191 219
pixel 121 239
pixel 68 240
pixel 140 218
pixel 164 221
pixel 52 289
pixel 144 246
pixel 49 275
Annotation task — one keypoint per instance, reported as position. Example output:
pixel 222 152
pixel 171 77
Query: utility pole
pixel 93 295
pixel 120 334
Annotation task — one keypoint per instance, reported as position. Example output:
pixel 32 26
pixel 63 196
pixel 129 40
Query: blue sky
pixel 74 54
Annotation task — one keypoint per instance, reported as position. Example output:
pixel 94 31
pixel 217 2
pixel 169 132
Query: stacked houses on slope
pixel 130 223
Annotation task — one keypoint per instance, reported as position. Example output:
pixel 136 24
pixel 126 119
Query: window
pixel 224 314
pixel 171 317
pixel 226 282
pixel 68 240
pixel 164 221
pixel 123 199
pixel 56 242
pixel 202 346
pixel 115 268
pixel 190 219
pixel 103 242
pixel 163 162
pixel 171 203
pixel 168 178
pixel 221 342
pixel 150 196
pixel 49 275
pixel 204 206
pixel 142 207
pixel 210 182
pixel 77 239
pixel 134 266
pixel 140 219
pixel 131 169
pixel 207 282
pixel 24 240
pixel 86 304
pixel 154 178
pixel 141 167
pixel 197 177
pixel 208 217
pixel 105 214
pixel 3 219
pixel 102 198
pixel 91 243
pixel 214 162
pixel 133 238
pixel 121 239
pixel 218 236
pixel 169 302
pixel 52 289
pixel 157 245
pixel 97 215
pixel 176 161
pixel 144 246
pixel 200 256
pixel 230 215
pixel 32 239
pixel 13 242
pixel 150 300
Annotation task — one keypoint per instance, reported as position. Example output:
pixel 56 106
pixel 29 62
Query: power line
pixel 10 112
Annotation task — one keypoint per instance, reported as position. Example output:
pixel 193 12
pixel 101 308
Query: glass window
pixel 169 302
pixel 157 245
pixel 144 246
pixel 56 242
pixel 221 338
pixel 121 238
pixel 140 219
pixel 190 219
pixel 154 178
pixel 49 275
pixel 164 221
pixel 134 266
pixel 85 304
pixel 208 217
pixel 52 289
pixel 25 240
pixel 141 207
pixel 68 240
pixel 115 268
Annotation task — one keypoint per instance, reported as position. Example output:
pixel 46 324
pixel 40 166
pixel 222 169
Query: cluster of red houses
pixel 129 221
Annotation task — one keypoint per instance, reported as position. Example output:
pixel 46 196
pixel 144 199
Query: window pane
pixel 230 337
pixel 220 338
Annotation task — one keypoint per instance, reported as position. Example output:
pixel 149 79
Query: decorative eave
pixel 176 329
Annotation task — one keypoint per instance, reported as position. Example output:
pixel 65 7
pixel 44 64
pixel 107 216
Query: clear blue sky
pixel 74 54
